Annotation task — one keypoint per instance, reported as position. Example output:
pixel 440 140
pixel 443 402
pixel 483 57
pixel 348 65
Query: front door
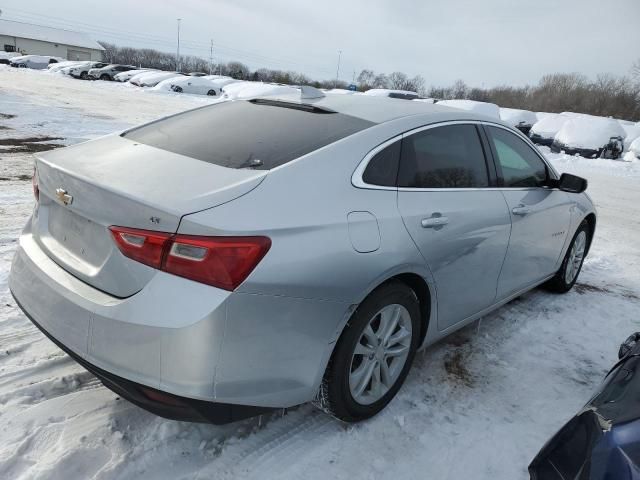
pixel 540 215
pixel 459 223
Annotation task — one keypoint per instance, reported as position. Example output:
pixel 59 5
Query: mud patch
pixel 28 144
pixel 454 364
pixel 584 288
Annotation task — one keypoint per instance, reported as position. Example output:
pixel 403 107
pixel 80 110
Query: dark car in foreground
pixel 602 442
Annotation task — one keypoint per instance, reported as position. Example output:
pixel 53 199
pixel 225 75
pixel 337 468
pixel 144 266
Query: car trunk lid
pixel 87 188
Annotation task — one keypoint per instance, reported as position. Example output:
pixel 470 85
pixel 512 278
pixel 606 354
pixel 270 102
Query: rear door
pixel 540 215
pixel 455 215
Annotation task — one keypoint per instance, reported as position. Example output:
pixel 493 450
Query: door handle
pixel 521 210
pixel 434 222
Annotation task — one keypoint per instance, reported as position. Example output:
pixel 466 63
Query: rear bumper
pixel 164 404
pixel 187 339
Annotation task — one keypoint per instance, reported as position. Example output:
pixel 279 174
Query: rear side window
pixel 382 169
pixel 259 134
pixel 443 157
pixel 520 165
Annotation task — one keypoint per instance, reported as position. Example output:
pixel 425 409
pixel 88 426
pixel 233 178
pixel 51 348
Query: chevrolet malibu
pixel 258 254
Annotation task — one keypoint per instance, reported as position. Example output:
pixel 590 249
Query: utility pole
pixel 178 49
pixel 211 57
pixel 338 69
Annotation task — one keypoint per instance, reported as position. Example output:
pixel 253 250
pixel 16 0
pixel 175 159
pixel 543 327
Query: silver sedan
pixel 258 254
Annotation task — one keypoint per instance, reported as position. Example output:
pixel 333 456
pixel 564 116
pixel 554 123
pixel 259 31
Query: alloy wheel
pixel 575 257
pixel 380 354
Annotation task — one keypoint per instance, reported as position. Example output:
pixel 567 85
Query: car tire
pixel 566 277
pixel 345 391
pixel 84 75
pixel 105 77
pixel 177 89
pixel 211 93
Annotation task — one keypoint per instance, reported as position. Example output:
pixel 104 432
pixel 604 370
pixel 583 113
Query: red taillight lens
pixel 36 188
pixel 144 246
pixel 224 262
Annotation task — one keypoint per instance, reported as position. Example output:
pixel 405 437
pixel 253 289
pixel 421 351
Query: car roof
pixel 382 109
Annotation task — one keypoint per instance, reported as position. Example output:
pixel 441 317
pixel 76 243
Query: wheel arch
pixel 417 283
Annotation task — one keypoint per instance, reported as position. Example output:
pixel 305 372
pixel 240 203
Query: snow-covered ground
pixel 478 405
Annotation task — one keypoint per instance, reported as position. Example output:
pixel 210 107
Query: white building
pixel 30 39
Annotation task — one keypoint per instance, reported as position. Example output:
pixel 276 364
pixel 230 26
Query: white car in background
pixel 590 136
pixel 81 70
pixel 151 79
pixel 548 125
pixel 390 93
pixel 56 67
pixel 634 151
pixel 129 74
pixel 5 57
pixel 189 84
pixel 484 108
pixel 244 90
pixel 632 130
pixel 37 62
pixel 523 120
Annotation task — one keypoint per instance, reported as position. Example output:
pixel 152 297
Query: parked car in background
pixel 633 152
pixel 108 72
pixel 483 108
pixel 56 67
pixel 129 74
pixel 244 90
pixel 37 62
pixel 197 74
pixel 590 136
pixel 602 442
pixel 151 79
pixel 632 131
pixel 188 84
pixel 262 253
pixel 385 92
pixel 523 120
pixel 544 130
pixel 6 56
pixel 81 70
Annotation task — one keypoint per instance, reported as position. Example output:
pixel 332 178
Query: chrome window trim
pixel 358 182
pixel 356 178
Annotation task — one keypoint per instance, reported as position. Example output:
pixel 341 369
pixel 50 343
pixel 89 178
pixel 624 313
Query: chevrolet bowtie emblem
pixel 63 196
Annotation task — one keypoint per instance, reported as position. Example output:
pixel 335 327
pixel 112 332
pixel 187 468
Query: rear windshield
pixel 259 134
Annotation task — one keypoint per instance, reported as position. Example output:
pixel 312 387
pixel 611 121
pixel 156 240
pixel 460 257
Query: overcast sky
pixel 483 42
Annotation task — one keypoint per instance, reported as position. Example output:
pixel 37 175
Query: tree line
pixel 607 95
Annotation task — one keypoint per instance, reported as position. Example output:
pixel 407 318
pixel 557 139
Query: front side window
pixel 450 156
pixel 382 169
pixel 521 167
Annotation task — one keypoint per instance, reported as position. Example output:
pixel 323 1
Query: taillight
pixel 144 246
pixel 34 183
pixel 224 262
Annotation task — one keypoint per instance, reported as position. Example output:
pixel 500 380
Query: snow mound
pixel 549 124
pixel 483 108
pixel 425 100
pixel 518 118
pixel 589 132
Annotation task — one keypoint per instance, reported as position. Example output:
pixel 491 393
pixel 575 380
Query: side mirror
pixel 571 183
